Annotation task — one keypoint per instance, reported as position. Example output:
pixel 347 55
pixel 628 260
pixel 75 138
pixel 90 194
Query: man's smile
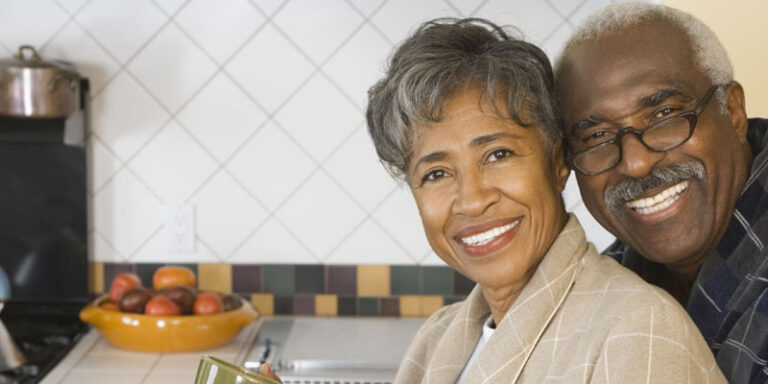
pixel 661 200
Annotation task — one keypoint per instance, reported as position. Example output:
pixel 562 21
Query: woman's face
pixel 488 191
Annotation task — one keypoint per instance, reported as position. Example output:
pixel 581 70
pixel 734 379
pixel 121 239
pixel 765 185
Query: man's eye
pixel 666 112
pixel 596 137
pixel 498 154
pixel 433 175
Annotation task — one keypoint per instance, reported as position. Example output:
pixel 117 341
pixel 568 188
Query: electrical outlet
pixel 179 228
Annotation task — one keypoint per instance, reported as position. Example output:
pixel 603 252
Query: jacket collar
pixel 505 354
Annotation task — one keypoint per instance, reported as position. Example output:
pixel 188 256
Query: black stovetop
pixel 44 335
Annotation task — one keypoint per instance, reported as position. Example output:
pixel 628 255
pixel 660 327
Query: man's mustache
pixel 631 188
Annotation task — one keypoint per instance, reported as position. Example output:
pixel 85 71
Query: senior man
pixel 667 160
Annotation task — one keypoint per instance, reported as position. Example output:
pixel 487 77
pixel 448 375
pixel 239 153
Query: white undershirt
pixel 487 333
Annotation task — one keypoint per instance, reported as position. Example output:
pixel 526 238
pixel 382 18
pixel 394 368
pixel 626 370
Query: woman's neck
pixel 501 299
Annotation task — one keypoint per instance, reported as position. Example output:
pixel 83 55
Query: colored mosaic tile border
pixel 321 290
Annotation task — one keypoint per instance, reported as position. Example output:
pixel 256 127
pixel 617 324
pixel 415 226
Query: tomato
pixel 208 303
pixel 161 306
pixel 171 276
pixel 121 284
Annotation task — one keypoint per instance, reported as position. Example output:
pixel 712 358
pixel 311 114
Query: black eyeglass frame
pixel 692 116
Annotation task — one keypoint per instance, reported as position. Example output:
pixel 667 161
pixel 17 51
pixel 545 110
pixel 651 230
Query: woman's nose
pixel 474 195
pixel 637 160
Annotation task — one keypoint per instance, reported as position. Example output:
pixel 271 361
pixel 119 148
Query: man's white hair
pixel 709 55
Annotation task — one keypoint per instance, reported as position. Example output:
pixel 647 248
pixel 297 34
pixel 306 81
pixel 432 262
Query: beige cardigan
pixel 581 318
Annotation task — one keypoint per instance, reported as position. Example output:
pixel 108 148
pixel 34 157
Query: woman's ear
pixel 560 169
pixel 737 111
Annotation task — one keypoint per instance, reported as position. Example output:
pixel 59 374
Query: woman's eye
pixel 498 154
pixel 433 175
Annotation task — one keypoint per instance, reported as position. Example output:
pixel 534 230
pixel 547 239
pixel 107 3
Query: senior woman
pixel 465 116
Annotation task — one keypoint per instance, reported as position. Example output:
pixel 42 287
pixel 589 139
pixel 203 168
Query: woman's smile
pixel 481 240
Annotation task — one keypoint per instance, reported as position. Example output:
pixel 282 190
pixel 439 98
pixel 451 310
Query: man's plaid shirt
pixel 729 299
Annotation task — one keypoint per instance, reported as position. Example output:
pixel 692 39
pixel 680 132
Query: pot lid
pixel 27 57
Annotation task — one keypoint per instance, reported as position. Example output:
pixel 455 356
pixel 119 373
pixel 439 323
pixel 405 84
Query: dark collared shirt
pixel 729 299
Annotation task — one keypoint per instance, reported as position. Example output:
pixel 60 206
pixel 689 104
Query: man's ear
pixel 561 170
pixel 737 111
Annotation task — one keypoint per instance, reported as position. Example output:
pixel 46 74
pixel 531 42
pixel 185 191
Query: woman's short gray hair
pixel 709 55
pixel 447 55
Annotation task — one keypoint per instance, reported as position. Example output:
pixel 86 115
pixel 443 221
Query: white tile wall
pixel 252 111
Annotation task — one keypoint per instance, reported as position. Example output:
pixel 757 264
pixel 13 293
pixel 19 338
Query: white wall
pixel 252 112
pixel 740 25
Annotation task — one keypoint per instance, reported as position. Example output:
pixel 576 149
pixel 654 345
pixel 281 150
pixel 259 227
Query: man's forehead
pixel 617 70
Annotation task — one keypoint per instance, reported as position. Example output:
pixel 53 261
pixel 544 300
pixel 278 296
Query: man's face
pixel 634 78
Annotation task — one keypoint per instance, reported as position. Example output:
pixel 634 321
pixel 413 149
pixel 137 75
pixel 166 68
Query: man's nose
pixel 636 159
pixel 474 195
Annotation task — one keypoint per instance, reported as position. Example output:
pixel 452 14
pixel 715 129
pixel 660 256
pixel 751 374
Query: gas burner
pixel 44 341
pixel 25 374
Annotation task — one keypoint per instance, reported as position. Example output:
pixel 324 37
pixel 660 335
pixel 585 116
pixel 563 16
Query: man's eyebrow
pixel 485 139
pixel 589 121
pixel 658 97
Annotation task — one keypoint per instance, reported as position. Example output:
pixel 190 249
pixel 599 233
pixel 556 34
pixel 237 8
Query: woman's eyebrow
pixel 485 139
pixel 430 158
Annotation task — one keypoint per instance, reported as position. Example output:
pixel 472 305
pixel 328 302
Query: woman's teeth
pixel 487 236
pixel 662 200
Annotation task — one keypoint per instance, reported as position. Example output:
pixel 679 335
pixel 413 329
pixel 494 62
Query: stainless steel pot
pixel 35 88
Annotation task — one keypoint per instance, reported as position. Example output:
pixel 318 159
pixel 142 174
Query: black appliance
pixel 44 236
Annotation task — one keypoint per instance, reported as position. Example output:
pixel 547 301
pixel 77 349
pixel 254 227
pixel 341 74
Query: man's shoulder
pixel 616 250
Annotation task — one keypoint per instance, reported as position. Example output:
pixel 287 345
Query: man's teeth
pixel 487 236
pixel 660 201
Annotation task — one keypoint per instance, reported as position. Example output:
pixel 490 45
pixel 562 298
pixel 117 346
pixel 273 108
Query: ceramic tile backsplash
pixel 252 111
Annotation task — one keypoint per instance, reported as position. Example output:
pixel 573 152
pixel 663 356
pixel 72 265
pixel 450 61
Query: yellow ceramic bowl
pixel 167 333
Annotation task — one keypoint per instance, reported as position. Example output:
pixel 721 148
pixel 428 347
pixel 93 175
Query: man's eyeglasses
pixel 658 137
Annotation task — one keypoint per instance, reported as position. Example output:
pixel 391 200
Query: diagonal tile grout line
pixel 270 215
pixel 145 242
pixel 60 28
pixel 573 12
pixel 5 47
pixel 454 7
pixel 121 64
pixel 122 68
pixel 265 13
pixel 172 116
pixel 478 7
pixel 369 20
pixel 370 217
pixel 109 244
pixel 222 69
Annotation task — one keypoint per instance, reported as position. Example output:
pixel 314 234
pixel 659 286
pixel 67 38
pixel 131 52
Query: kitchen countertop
pixel 93 360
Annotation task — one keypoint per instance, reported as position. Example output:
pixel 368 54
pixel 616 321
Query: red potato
pixel 161 306
pixel 208 303
pixel 123 283
pixel 135 300
pixel 183 296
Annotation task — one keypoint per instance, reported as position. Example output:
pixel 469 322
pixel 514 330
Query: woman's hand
pixel 266 370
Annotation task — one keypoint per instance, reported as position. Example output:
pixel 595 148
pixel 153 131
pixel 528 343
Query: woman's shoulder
pixel 438 322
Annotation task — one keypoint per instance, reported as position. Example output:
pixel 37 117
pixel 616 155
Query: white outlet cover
pixel 179 227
